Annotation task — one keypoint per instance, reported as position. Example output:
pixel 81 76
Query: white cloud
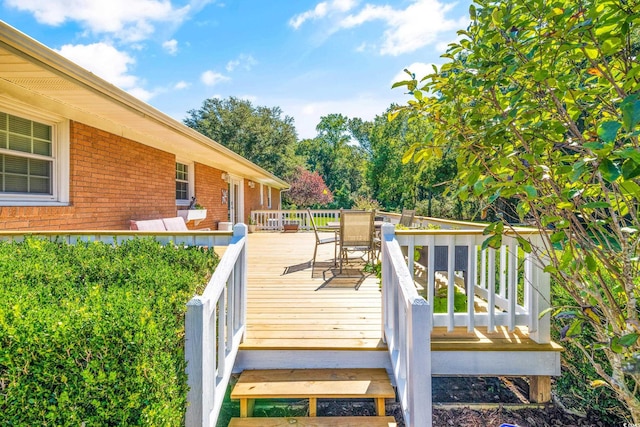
pixel 212 78
pixel 141 93
pixel 181 85
pixel 406 29
pixel 244 62
pixel 171 46
pixel 103 60
pixel 127 20
pixel 322 10
pixel 107 62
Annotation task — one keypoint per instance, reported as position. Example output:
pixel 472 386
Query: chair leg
pixel 313 265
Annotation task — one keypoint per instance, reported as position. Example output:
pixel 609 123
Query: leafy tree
pixel 308 189
pixel 259 134
pixel 335 155
pixel 542 99
pixel 400 183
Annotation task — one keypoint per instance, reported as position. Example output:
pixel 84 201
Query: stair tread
pixel 369 421
pixel 318 383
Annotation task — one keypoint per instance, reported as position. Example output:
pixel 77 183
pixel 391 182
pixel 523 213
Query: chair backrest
pixel 356 228
pixel 147 225
pixel 313 224
pixel 175 224
pixel 406 219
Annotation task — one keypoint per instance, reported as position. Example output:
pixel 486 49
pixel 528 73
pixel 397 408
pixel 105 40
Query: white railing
pixel 276 219
pixel 510 287
pixel 215 323
pixel 186 238
pixel 407 332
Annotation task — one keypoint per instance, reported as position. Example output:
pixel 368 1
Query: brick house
pixel 77 153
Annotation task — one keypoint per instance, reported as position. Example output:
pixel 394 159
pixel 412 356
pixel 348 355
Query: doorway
pixel 236 200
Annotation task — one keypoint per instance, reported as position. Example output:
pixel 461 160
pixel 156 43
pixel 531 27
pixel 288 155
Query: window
pixel 34 158
pixel 269 197
pixel 26 162
pixel 182 182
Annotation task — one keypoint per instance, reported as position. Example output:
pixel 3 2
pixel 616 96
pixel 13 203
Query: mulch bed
pixel 457 401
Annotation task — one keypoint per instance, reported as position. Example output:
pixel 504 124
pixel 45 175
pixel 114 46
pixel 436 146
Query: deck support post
pixel 540 388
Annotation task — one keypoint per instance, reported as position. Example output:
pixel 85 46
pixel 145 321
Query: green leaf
pixel 592 53
pixel 610 172
pixel 524 244
pixel 493 242
pixel 496 17
pixel 607 131
pixel 629 339
pixel 402 83
pixel 531 191
pixel 630 169
pixel 406 158
pixel 630 108
pixel 575 328
pixel 615 345
pixel 591 263
pixel 478 188
pixel 630 153
pixel 630 188
pixel 598 383
pixel 557 237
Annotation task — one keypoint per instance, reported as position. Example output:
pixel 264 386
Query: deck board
pixel 288 308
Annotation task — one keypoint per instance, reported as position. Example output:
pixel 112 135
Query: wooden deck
pixel 333 320
pixel 287 308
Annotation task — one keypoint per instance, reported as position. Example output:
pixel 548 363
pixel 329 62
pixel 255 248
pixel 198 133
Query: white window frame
pixel 191 182
pixel 269 200
pixel 261 194
pixel 60 175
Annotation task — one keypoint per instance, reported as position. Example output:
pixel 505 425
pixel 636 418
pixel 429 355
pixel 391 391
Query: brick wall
pixel 114 180
pixel 251 199
pixel 208 189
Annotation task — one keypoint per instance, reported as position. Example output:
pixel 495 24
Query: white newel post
pixel 194 344
pixel 540 298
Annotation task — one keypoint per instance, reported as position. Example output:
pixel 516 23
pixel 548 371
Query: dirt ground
pixel 462 401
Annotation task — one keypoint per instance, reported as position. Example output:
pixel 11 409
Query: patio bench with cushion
pixel 165 224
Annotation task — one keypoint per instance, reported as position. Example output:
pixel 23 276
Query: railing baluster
pixel 503 270
pixel 513 284
pixel 451 282
pixel 472 258
pixel 491 290
pixel 431 273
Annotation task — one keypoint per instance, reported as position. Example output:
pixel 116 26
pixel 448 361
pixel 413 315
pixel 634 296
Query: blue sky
pixel 309 58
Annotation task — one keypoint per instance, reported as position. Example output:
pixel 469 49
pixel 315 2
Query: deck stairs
pixel 313 384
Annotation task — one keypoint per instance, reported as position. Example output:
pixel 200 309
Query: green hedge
pixel 93 334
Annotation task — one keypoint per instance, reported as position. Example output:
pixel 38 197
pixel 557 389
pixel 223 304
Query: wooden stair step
pixel 314 422
pixel 312 384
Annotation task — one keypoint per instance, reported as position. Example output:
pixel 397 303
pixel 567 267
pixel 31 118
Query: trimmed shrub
pixel 93 334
